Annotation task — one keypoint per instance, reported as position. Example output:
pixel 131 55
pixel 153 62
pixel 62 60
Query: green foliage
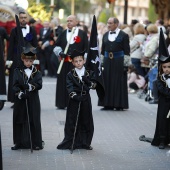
pixel 104 16
pixel 151 13
pixel 38 11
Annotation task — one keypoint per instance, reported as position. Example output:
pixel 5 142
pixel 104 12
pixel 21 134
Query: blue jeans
pixel 136 62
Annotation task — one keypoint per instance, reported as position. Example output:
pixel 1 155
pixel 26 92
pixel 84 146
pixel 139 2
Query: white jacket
pixel 136 50
pixel 151 46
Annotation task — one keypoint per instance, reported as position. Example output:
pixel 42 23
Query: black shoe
pixel 15 147
pixel 36 148
pixel 87 147
pixel 119 109
pixel 107 108
pixel 61 108
pixel 153 102
pixel 162 146
pixel 12 106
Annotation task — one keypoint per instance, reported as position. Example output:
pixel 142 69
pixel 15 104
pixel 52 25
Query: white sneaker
pixel 132 91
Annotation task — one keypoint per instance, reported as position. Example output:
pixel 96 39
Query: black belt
pixel 112 55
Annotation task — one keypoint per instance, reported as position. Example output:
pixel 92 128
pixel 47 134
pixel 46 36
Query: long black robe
pixel 20 121
pixel 85 127
pixel 114 74
pixel 61 91
pixel 162 130
pixel 14 56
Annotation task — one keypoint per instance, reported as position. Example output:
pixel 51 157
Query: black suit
pixel 15 57
pixel 61 91
pixel 46 53
pixel 4 36
pixel 115 77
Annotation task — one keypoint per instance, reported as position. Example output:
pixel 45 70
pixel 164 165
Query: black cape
pixel 85 127
pixel 20 121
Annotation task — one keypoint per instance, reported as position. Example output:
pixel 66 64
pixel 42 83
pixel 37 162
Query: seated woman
pixel 135 81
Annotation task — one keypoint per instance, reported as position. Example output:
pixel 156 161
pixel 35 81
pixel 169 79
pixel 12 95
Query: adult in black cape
pixel 115 48
pixel 162 130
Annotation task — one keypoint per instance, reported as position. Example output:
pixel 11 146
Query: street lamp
pixel 125 11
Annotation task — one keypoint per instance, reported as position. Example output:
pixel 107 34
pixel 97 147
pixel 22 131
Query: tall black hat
pixel 76 53
pixel 163 51
pixel 29 52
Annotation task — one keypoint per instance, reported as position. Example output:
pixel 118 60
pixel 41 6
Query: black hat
pixel 76 53
pixel 29 52
pixel 163 51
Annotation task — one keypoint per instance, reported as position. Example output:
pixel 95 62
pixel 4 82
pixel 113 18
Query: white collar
pixel 80 72
pixel 25 31
pixel 112 37
pixel 74 35
pixel 28 71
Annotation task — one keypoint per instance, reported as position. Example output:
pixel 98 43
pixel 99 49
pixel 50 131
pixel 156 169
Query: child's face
pixel 28 62
pixel 78 62
pixel 166 68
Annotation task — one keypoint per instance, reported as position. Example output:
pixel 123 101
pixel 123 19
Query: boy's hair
pixel 27 56
pixel 160 69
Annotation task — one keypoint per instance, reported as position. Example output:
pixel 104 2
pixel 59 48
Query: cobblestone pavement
pixel 116 138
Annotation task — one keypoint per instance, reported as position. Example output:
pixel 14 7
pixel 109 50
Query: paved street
pixel 116 138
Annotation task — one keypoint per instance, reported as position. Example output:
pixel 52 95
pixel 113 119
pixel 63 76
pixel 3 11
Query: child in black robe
pixel 26 83
pixel 162 131
pixel 79 82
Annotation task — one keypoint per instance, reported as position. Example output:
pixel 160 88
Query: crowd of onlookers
pixel 144 41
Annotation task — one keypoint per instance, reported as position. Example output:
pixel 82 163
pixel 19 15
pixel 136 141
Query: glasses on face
pixel 23 17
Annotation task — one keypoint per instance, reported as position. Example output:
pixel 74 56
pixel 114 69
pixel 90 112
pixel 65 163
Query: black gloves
pixel 79 98
pixel 86 80
pixel 24 96
pixel 63 55
pixel 25 87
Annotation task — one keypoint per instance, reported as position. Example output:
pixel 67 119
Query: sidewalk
pixel 116 144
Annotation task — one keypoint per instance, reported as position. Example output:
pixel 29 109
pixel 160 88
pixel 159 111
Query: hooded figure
pixel 162 131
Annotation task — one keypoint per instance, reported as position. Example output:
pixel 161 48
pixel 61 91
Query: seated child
pixel 135 81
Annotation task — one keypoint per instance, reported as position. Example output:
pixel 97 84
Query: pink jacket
pixel 132 77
